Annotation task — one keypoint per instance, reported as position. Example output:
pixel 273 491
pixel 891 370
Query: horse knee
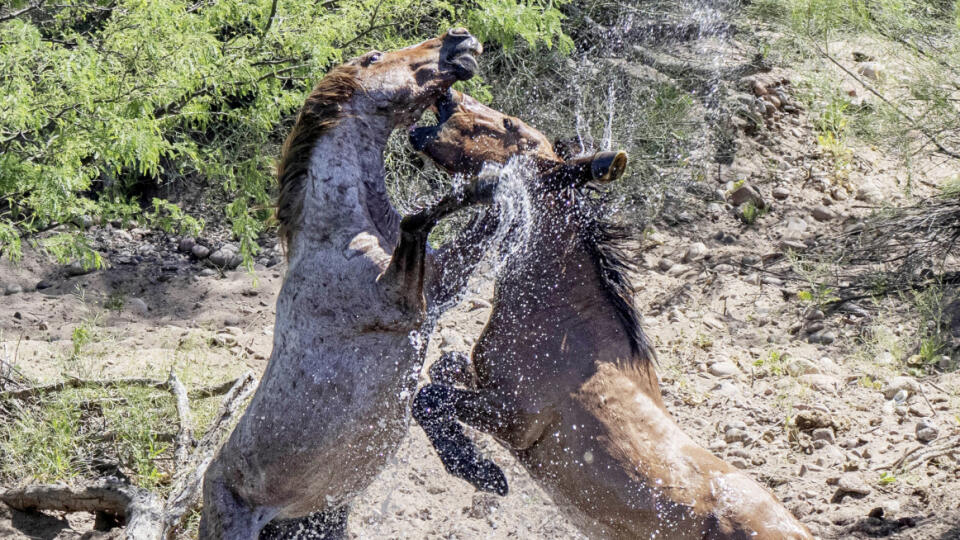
pixel 451 369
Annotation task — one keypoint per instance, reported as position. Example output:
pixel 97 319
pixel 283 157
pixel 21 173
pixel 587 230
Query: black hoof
pixel 453 368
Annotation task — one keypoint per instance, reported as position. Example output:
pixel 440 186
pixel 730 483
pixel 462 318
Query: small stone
pixel 871 70
pixel 896 384
pixel 724 370
pixel 735 435
pixel 717 445
pixel 186 244
pixel 822 213
pixel 771 280
pixel 12 288
pixel 814 315
pixel 200 251
pixel 44 284
pixel 746 193
pixel 802 366
pixel 478 303
pixel 824 337
pixel 926 431
pixel 795 229
pixel 851 484
pixel 820 382
pixel 678 270
pixel 226 257
pixel 712 322
pixel 823 434
pixel 695 252
pixel 665 264
pixel 724 269
pixel 136 305
pixel 813 327
pixel 869 194
pixel 206 272
pixel 780 193
pixel 77 269
pixel 223 340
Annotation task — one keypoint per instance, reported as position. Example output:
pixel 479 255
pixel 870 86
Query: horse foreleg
pixel 436 409
pixel 404 275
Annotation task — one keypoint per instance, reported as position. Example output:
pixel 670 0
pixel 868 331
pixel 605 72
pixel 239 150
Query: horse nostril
pixel 459 32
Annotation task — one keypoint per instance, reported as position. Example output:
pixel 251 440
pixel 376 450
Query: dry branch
pixel 181 451
pixel 921 454
pixel 34 392
pixel 147 517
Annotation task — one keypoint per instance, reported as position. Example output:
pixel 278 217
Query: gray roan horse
pixel 333 404
pixel 563 375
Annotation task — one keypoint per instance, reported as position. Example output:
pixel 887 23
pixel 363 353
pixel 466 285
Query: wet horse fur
pixel 564 376
pixel 333 404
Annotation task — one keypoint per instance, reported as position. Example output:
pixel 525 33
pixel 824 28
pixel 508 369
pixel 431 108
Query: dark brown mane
pixel 319 114
pixel 605 242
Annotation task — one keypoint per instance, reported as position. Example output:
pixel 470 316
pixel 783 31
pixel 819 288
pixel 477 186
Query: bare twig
pixel 933 139
pixel 184 442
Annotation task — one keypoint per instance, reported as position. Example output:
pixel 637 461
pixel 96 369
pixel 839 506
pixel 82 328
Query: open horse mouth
pixel 459 52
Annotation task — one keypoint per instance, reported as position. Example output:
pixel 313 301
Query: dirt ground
pixel 737 365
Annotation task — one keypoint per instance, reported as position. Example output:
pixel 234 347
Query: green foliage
pixel 102 104
pixel 533 20
pixel 750 213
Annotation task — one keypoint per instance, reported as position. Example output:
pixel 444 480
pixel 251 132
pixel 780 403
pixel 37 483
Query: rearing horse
pixel 563 375
pixel 333 404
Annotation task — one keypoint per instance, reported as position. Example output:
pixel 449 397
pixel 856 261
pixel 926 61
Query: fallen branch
pixel 181 450
pixel 146 516
pixel 34 392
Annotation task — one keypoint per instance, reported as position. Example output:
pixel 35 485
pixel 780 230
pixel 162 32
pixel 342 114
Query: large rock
pixel 695 252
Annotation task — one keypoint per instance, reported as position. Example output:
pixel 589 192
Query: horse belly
pixel 320 429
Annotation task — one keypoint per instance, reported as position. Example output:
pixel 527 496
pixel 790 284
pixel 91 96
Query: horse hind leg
pixel 329 525
pixel 434 408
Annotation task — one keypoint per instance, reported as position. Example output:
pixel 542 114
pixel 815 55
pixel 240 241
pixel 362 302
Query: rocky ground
pixel 816 406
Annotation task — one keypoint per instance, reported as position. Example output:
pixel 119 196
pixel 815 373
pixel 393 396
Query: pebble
pixel 824 337
pixel 926 431
pixel 665 264
pixel 780 193
pixel 724 269
pixel 206 272
pixel 822 213
pixel 12 288
pixel 820 382
pixel 724 370
pixel 896 384
pixel 814 315
pixel 186 244
pixel 678 270
pixel 802 366
pixel 695 252
pixel 795 229
pixel 851 484
pixel 44 284
pixel 226 257
pixel 136 305
pixel 77 269
pixel 823 434
pixel 869 194
pixel 200 251
pixel 746 193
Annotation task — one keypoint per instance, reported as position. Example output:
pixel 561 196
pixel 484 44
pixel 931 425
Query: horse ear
pixel 608 166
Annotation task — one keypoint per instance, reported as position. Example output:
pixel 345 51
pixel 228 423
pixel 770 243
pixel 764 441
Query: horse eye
pixel 373 58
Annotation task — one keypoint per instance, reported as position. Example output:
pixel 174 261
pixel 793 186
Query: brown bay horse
pixel 563 375
pixel 334 402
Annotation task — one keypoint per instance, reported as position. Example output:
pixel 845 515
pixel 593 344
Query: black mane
pixel 605 242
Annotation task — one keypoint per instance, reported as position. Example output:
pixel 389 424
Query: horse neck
pixel 563 266
pixel 345 193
